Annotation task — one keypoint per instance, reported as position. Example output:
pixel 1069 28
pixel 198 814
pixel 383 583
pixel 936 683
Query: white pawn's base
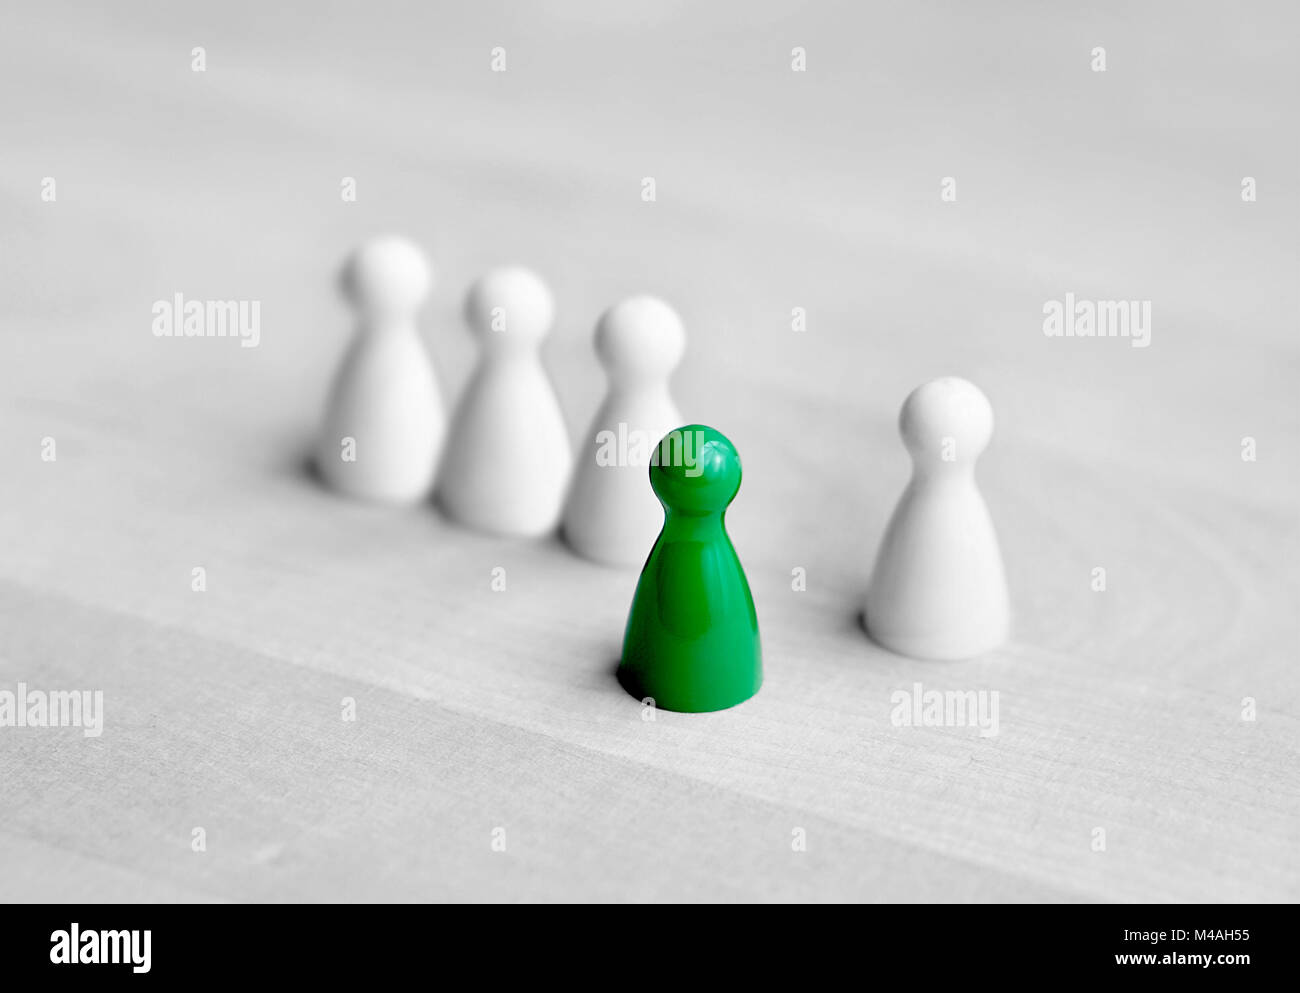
pixel 498 522
pixel 939 647
pixel 625 557
pixel 356 486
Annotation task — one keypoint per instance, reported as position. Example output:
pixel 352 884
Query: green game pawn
pixel 692 635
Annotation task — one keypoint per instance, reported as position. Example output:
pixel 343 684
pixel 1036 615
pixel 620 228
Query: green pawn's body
pixel 692 636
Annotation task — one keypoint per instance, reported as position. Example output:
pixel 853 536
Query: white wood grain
pixel 478 710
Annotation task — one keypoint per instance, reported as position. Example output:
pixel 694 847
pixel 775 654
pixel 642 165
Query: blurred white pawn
pixel 384 421
pixel 938 590
pixel 612 515
pixel 508 461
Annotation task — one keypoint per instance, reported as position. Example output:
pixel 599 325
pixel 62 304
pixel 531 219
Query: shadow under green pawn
pixel 692 635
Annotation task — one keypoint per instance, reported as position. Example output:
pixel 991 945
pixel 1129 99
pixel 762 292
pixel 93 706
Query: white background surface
pixel 479 710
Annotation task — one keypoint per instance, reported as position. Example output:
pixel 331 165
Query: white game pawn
pixel 938 590
pixel 384 421
pixel 612 515
pixel 508 461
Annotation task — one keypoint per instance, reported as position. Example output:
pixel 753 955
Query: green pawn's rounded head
pixel 695 470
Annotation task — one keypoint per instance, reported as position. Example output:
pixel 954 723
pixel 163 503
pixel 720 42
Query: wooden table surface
pixel 480 710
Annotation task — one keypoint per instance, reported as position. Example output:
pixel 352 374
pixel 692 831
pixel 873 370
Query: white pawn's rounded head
pixel 947 419
pixel 513 303
pixel 387 276
pixel 640 338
